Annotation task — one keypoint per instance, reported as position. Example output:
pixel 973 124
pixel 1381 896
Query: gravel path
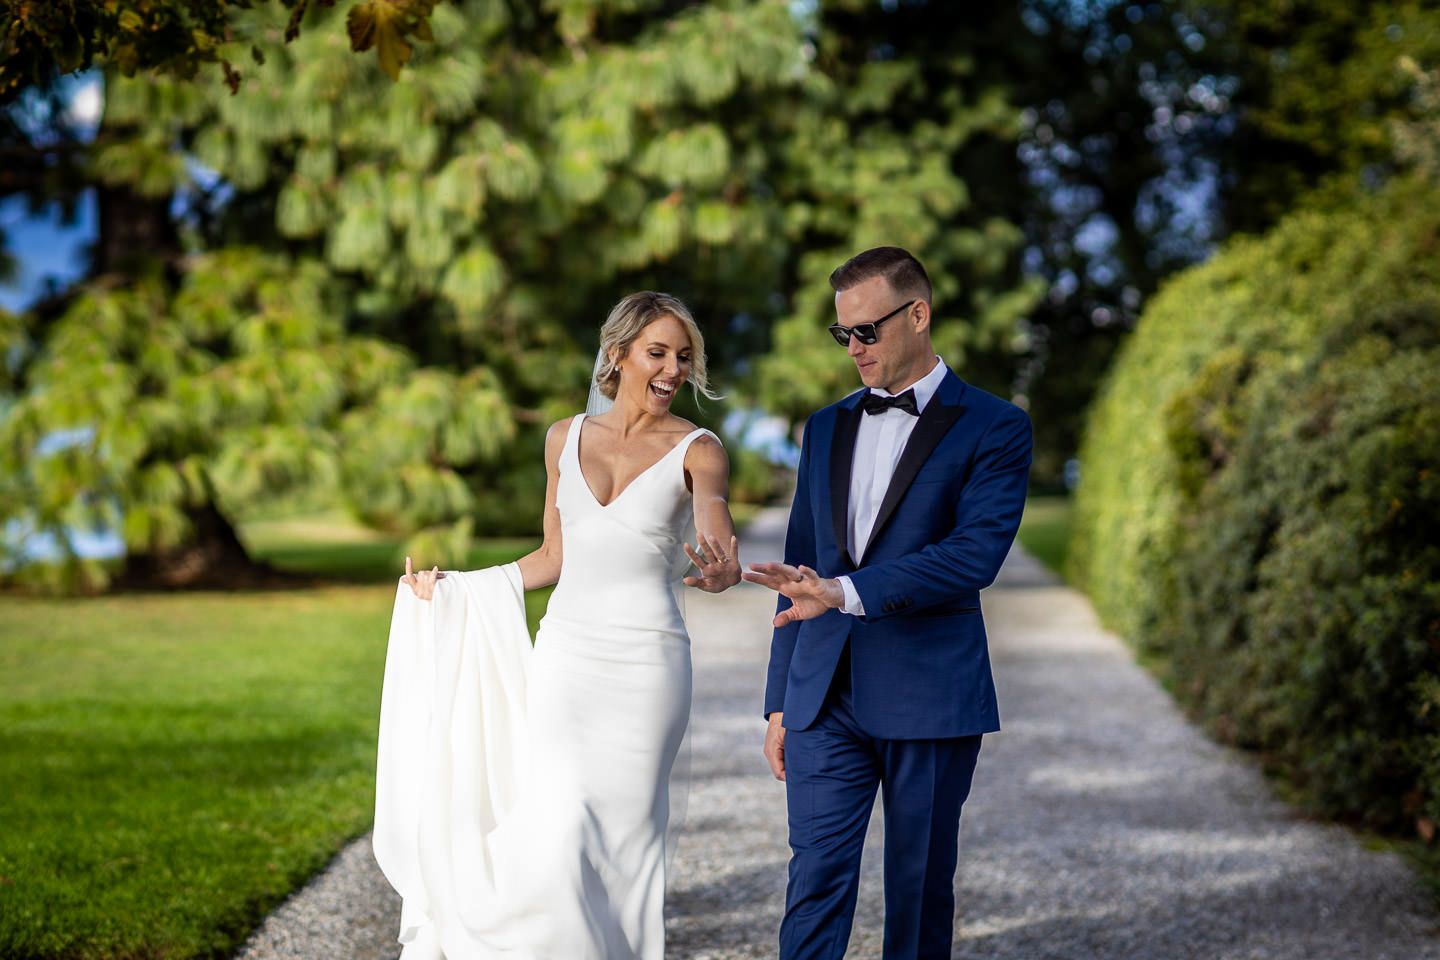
pixel 1101 825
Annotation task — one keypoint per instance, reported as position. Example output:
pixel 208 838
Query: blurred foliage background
pixel 440 248
pixel 437 253
pixel 353 256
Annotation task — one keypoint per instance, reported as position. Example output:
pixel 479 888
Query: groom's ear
pixel 922 316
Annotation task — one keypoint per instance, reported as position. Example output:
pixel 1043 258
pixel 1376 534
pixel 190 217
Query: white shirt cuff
pixel 852 606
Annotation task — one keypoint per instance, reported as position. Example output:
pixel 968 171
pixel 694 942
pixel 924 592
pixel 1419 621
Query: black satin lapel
pixel 935 421
pixel 842 455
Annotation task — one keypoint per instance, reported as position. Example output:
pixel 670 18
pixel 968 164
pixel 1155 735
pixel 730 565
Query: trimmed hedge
pixel 1260 501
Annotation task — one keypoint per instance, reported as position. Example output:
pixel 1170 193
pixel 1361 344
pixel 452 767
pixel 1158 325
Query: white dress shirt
pixel 880 440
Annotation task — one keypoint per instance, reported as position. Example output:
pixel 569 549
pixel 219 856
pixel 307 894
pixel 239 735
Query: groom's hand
pixel 810 594
pixel 775 746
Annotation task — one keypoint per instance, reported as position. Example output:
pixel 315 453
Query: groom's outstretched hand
pixel 810 594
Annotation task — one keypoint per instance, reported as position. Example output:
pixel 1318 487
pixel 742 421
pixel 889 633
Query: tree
pixel 1320 84
pixel 42 38
pixel 903 134
pixel 481 214
pixel 1155 130
pixel 1123 111
pixel 531 166
pixel 155 412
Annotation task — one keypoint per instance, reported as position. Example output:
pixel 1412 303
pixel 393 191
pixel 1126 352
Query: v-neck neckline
pixel 580 466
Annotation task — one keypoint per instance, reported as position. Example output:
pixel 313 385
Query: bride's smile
pixel 656 365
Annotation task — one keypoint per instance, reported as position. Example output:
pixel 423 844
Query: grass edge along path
pixel 1045 530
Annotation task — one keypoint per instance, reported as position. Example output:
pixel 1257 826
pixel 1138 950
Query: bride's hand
pixel 719 569
pixel 422 584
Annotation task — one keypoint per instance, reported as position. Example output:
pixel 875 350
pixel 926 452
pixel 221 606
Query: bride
pixel 522 795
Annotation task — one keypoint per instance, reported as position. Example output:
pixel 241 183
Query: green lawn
pixel 1045 530
pixel 173 765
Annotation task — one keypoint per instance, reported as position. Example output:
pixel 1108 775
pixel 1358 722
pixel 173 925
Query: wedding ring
pixel 799 578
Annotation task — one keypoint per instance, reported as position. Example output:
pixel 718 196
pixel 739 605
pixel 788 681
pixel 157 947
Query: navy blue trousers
pixel 832 770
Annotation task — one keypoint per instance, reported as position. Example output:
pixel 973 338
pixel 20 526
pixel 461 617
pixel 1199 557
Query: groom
pixel 908 498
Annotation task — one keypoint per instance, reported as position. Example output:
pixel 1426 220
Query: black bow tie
pixel 874 403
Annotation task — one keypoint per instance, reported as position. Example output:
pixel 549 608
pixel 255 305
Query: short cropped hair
pixel 898 266
pixel 623 327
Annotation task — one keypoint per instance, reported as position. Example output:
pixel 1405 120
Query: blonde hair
pixel 623 327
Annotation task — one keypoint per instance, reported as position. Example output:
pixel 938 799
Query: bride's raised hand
pixel 719 568
pixel 422 584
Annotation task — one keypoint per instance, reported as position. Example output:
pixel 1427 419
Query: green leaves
pixel 360 240
pixel 1322 95
pixel 145 409
pixel 877 149
pixel 407 458
pixel 16 346
pixel 697 157
pixel 485 209
pixel 474 280
pixel 176 38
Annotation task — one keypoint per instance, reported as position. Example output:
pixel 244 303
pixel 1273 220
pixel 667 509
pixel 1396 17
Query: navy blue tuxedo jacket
pixel 920 666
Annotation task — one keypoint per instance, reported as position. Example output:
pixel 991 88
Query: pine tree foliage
pixel 149 412
pixel 479 216
pixel 493 167
pixel 474 221
pixel 893 141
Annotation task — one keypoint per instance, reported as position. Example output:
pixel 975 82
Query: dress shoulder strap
pixel 571 450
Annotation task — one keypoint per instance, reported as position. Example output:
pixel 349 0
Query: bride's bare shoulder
pixel 555 437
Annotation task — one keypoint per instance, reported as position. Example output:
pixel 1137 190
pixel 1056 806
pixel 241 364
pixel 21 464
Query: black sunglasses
pixel 864 332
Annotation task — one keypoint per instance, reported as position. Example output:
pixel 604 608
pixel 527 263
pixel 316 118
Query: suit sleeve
pixel 987 515
pixel 799 548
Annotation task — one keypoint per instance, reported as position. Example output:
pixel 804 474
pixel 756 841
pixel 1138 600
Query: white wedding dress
pixel 522 795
